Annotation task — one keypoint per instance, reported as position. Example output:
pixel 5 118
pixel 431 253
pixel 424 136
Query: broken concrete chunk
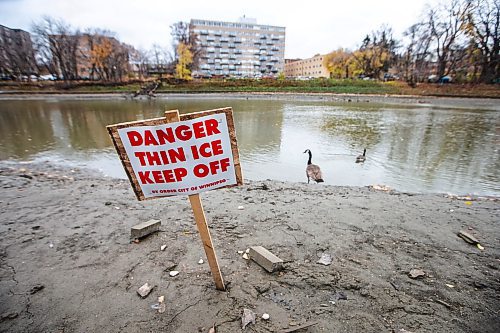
pixel 266 259
pixel 144 290
pixel 468 237
pixel 325 259
pixel 161 303
pixel 145 228
pixel 416 273
pixel 247 318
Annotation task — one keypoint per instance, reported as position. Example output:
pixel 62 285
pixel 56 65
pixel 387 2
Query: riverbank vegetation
pixel 325 86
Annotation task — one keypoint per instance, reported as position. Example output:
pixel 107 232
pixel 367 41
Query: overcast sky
pixel 314 26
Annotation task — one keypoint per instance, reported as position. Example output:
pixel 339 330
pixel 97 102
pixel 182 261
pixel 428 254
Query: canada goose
pixel 312 170
pixel 361 158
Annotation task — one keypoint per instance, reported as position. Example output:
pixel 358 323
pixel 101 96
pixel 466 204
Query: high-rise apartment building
pixel 17 56
pixel 239 49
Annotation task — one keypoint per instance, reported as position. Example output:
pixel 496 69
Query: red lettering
pixel 157 176
pixel 203 150
pixel 166 135
pixel 194 151
pixel 140 156
pixel 217 147
pixel 134 138
pixel 169 176
pixel 201 170
pixel 199 130
pixel 180 173
pixel 153 158
pixel 214 165
pixel 149 139
pixel 144 177
pixel 212 126
pixel 177 155
pixel 224 164
pixel 183 132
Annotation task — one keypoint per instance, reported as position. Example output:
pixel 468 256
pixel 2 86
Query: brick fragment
pixel 266 259
pixel 145 228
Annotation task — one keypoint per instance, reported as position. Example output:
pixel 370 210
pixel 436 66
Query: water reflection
pixel 412 148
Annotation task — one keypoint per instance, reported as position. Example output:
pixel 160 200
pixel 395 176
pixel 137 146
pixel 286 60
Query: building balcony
pixel 232 46
pixel 237 40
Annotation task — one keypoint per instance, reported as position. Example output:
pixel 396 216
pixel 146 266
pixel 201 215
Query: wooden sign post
pixel 179 155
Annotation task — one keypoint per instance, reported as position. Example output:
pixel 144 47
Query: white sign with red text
pixel 185 157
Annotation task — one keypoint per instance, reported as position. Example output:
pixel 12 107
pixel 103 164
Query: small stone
pixel 248 317
pixel 144 290
pixel 200 261
pixel 245 256
pixel 173 273
pixel 240 252
pixel 449 285
pixel 163 247
pixel 325 259
pixel 265 316
pixel 247 251
pixel 416 273
pixel 51 245
pixel 161 303
pixel 241 207
pixel 117 208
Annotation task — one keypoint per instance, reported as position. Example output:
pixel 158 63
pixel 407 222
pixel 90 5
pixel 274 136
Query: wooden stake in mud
pixel 181 155
pixel 201 222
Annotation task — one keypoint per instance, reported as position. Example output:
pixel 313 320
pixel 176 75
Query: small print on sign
pixel 185 157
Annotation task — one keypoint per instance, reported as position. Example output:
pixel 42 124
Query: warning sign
pixel 163 158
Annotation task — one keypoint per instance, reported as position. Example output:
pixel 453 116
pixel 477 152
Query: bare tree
pixel 57 45
pixel 446 26
pixel 483 27
pixel 140 61
pixel 414 61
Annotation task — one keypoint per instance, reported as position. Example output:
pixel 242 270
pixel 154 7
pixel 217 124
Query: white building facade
pixel 239 49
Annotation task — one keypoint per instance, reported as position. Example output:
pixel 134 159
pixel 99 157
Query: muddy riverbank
pixel 67 263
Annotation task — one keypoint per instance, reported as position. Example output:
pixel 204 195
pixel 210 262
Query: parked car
pixel 435 79
pixel 47 77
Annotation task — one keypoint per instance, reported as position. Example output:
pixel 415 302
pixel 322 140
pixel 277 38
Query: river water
pixel 416 147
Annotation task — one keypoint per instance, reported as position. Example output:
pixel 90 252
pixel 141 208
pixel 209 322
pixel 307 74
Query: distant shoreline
pixel 442 101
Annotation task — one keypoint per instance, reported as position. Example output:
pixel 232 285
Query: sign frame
pixel 170 117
